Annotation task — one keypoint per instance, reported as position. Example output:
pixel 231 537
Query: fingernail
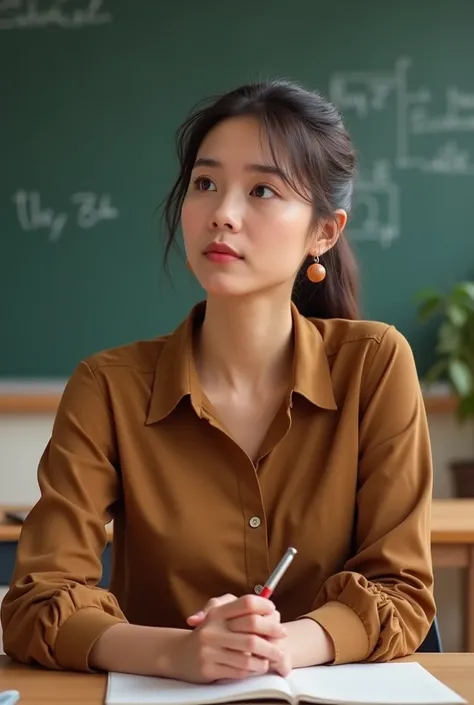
pixel 197 614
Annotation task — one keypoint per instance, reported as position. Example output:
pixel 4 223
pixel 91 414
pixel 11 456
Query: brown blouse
pixel 344 475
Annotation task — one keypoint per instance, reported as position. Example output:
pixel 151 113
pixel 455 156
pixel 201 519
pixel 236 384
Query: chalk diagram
pixel 377 205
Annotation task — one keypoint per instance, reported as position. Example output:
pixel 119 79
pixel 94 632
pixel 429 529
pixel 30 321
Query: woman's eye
pixel 202 183
pixel 263 192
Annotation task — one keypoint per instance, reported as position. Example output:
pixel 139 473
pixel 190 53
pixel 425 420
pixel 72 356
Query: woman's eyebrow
pixel 260 168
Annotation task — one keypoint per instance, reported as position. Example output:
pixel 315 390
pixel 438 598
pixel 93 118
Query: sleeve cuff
pixel 347 631
pixel 78 635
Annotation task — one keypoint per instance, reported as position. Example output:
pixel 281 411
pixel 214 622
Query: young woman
pixel 270 418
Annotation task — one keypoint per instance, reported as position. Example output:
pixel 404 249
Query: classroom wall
pixel 22 439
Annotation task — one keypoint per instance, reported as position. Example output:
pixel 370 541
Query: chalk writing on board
pixel 33 14
pixel 454 119
pixel 376 213
pixel 90 209
pixel 367 92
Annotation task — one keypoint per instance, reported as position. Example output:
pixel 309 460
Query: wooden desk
pixel 452 540
pixel 40 687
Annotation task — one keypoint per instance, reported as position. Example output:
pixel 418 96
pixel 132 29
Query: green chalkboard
pixel 92 93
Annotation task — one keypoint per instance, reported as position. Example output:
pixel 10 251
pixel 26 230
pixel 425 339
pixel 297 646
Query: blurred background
pixel 92 93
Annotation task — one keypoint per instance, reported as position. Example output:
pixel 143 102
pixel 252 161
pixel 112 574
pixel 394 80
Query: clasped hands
pixel 234 638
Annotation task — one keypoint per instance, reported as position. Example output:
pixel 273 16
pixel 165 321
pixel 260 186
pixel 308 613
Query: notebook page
pixel 126 689
pixel 372 684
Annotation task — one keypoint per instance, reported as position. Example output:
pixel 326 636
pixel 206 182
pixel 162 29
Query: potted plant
pixel 454 360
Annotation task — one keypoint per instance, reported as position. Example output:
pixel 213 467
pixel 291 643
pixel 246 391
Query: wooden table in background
pixel 452 546
pixel 40 687
pixel 452 541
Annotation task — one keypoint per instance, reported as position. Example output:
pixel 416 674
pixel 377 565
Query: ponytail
pixel 337 296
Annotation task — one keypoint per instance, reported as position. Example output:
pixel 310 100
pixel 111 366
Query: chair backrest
pixel 432 642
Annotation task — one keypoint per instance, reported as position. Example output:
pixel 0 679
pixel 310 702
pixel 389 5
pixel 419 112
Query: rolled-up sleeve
pixel 54 611
pixel 381 605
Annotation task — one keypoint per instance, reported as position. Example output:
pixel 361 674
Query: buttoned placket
pixel 256 544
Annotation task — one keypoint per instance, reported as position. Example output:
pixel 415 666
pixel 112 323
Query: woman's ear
pixel 328 232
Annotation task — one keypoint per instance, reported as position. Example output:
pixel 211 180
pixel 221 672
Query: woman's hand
pixel 198 617
pixel 248 621
pixel 213 651
pixel 269 627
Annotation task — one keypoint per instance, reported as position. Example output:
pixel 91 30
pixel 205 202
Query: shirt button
pixel 258 589
pixel 255 522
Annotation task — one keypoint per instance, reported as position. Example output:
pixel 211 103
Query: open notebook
pixel 352 684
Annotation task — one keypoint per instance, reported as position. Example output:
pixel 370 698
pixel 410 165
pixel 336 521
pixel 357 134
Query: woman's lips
pixel 221 256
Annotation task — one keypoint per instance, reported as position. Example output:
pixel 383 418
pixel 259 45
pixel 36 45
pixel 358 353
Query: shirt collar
pixel 176 376
pixel 175 372
pixel 312 376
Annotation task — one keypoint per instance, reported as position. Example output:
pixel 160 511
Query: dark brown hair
pixel 310 145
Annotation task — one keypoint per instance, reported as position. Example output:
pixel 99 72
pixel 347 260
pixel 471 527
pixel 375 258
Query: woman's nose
pixel 224 225
pixel 227 216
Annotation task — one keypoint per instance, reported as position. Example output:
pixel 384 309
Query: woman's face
pixel 238 200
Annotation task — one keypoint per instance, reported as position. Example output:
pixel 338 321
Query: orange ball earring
pixel 316 273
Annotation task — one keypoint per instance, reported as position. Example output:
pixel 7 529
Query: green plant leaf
pixel 465 408
pixel 430 302
pixel 448 338
pixel 436 371
pixel 456 314
pixel 461 377
pixel 464 291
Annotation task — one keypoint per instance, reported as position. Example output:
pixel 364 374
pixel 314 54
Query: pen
pixel 278 573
